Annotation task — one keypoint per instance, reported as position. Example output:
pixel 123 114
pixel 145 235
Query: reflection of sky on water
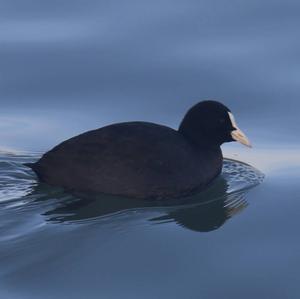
pixel 268 160
pixel 71 66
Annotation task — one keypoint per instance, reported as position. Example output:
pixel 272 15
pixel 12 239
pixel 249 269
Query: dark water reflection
pixel 204 212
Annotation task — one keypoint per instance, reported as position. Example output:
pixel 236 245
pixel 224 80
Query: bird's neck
pixel 199 139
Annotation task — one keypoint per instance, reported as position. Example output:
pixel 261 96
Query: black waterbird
pixel 142 159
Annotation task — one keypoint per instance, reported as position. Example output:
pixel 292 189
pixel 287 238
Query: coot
pixel 144 160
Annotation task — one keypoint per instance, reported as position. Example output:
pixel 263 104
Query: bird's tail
pixel 36 168
pixel 30 165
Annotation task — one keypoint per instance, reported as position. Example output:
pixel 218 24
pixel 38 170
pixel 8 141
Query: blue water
pixel 70 66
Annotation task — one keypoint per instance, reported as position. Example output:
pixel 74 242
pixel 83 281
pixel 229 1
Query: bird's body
pixel 137 159
pixel 140 159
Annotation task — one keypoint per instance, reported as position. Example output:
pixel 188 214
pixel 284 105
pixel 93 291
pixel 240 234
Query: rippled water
pixel 52 243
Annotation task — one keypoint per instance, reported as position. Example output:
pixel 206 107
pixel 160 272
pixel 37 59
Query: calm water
pixel 69 66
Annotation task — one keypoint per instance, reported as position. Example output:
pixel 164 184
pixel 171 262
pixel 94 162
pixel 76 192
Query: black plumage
pixel 141 159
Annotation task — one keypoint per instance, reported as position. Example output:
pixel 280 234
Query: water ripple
pixel 240 175
pixel 17 181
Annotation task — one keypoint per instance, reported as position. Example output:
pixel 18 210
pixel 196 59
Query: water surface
pixel 69 66
pixel 238 237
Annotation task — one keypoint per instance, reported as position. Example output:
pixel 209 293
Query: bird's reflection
pixel 203 212
pixel 207 216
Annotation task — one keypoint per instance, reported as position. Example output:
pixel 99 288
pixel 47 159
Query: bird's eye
pixel 222 120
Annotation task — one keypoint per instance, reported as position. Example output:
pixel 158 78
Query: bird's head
pixel 211 123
